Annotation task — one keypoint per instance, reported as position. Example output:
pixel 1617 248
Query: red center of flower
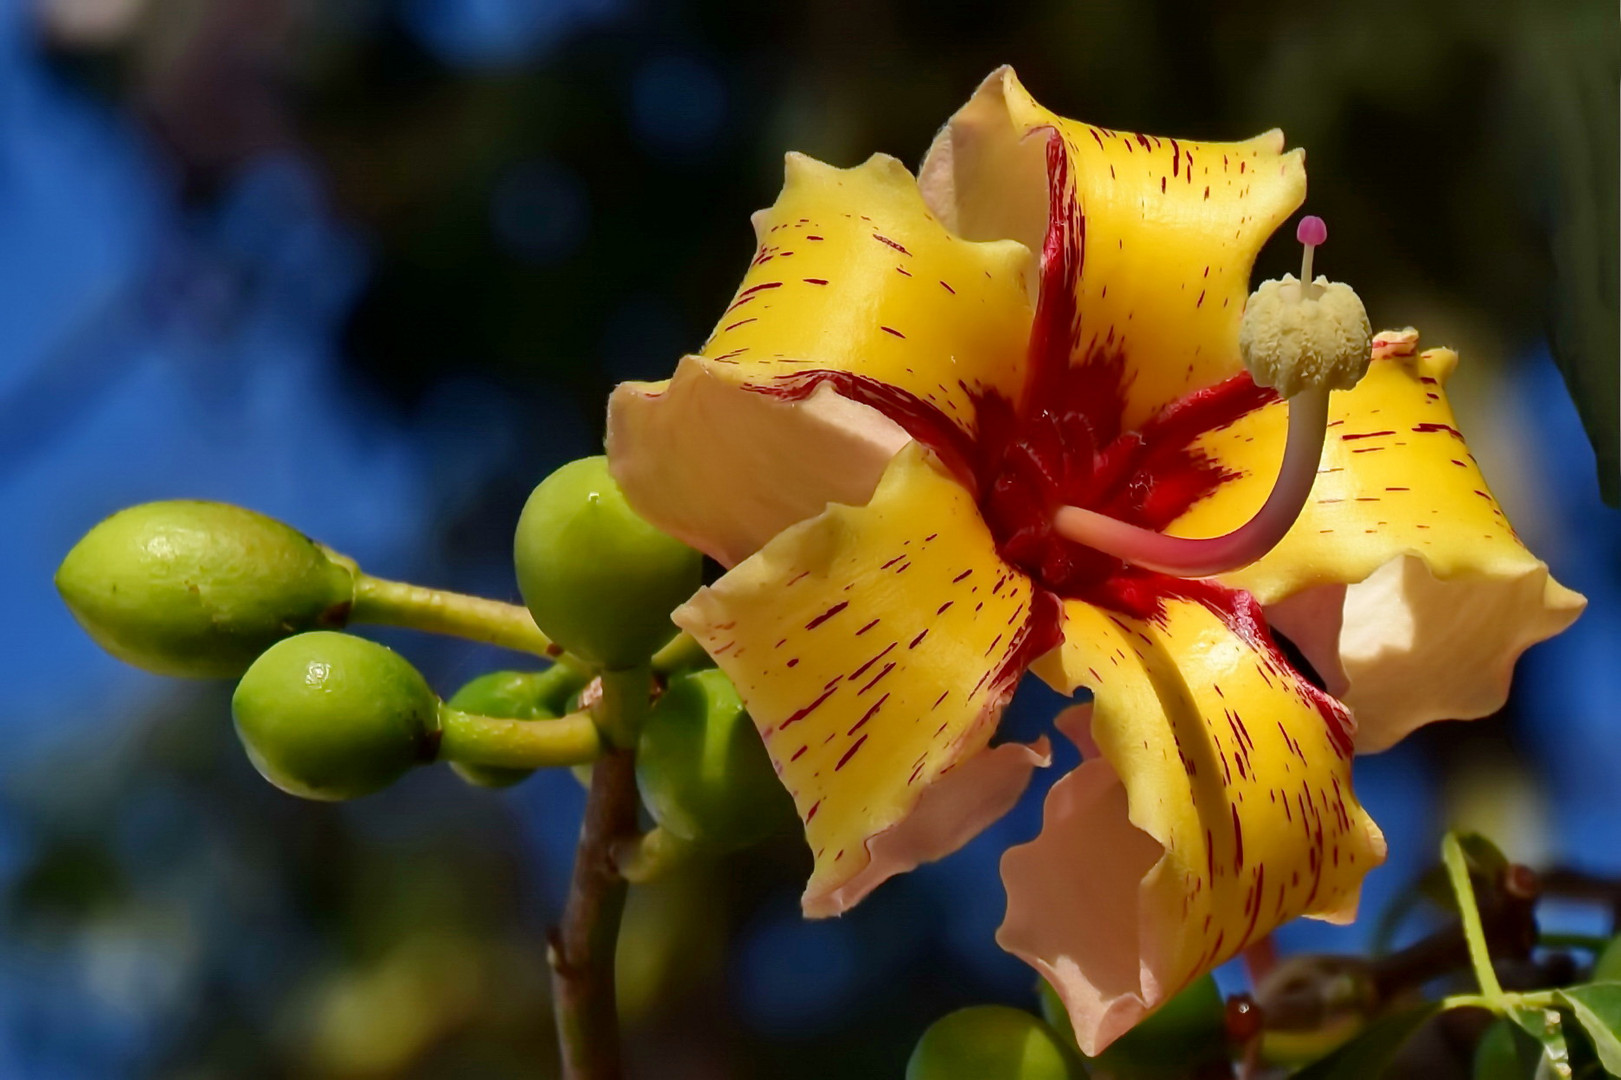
pixel 1068 449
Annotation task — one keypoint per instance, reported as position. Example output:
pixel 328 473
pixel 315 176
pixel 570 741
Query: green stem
pixel 1530 999
pixel 438 611
pixel 682 651
pixel 517 744
pixel 1472 1001
pixel 1474 933
pixel 651 855
pixel 624 702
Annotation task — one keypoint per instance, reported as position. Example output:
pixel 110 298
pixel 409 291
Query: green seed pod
pixel 330 716
pixel 991 1042
pixel 599 580
pixel 199 588
pixel 701 767
pixel 515 695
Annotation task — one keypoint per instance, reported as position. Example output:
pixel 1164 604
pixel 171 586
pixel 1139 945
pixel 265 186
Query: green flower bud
pixel 331 716
pixel 702 769
pixel 599 580
pixel 200 588
pixel 990 1042
pixel 515 695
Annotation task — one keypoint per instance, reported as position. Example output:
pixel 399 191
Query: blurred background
pixel 371 266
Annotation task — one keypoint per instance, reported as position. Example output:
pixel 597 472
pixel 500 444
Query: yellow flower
pixel 874 441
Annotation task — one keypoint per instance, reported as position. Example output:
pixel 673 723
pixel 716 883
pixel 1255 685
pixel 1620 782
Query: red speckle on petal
pixel 868 715
pixel 850 753
pixel 800 714
pixel 828 614
pixel 887 668
pixel 862 670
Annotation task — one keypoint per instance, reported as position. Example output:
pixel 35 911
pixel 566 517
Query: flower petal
pixel 875 647
pixel 1402 581
pixel 950 812
pixel 1220 807
pixel 724 470
pixel 855 275
pixel 856 285
pixel 1164 232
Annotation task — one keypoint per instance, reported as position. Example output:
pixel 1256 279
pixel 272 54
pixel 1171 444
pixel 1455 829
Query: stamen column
pixel 1305 339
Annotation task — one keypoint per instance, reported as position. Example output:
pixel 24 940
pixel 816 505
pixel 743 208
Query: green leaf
pixel 1569 70
pixel 1597 1008
pixel 1545 1027
pixel 1607 968
pixel 1485 859
pixel 1432 888
pixel 1371 1052
pixel 1506 1052
pixel 1429 889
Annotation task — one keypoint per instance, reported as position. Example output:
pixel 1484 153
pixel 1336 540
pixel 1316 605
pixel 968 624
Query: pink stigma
pixel 1312 230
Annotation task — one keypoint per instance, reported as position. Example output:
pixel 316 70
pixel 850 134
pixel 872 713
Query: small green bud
pixel 990 1042
pixel 599 580
pixel 200 588
pixel 702 769
pixel 515 695
pixel 331 716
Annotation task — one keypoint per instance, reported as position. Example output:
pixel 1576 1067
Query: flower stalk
pixel 583 944
pixel 683 651
pixel 440 611
pixel 1474 933
pixel 517 744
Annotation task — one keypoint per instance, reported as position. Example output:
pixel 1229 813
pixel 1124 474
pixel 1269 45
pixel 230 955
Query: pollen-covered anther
pixel 1300 333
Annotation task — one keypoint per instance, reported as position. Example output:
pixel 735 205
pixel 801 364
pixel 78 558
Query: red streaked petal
pixel 875 647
